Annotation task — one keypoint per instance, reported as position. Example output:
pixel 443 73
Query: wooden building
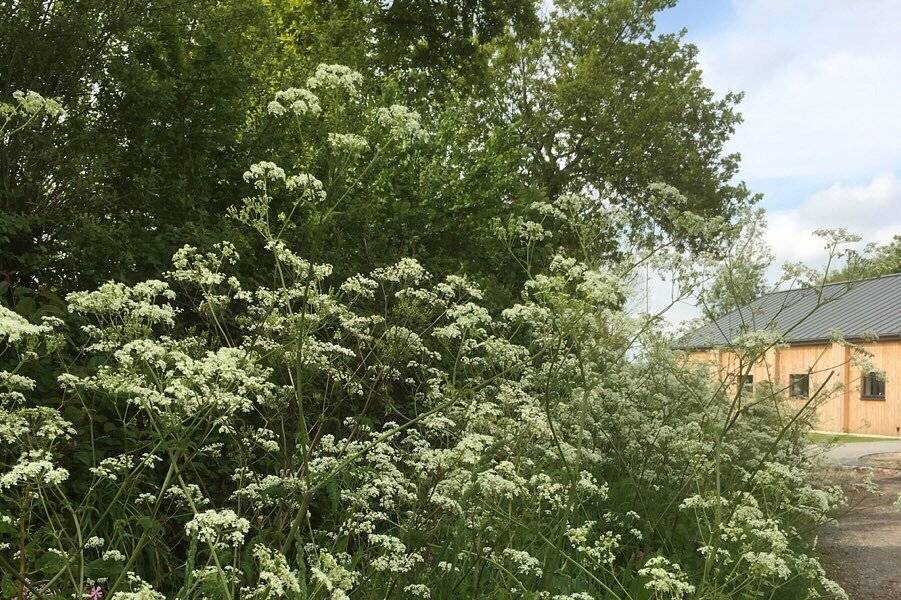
pixel 840 343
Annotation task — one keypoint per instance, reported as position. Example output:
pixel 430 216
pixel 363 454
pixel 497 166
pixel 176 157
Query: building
pixel 866 364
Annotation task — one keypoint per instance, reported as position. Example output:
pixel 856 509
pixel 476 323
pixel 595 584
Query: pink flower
pixel 96 593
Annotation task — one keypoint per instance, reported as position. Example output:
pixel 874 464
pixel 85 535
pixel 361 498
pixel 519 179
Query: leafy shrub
pixel 387 435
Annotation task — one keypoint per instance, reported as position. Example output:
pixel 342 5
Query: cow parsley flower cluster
pixel 34 467
pixel 349 143
pixel 336 77
pixel 401 123
pixel 218 526
pixel 302 102
pixel 665 579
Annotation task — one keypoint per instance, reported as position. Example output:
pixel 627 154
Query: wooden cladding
pixel 848 400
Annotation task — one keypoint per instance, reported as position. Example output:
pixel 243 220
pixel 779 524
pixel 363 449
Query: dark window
pixel 799 385
pixel 746 382
pixel 873 386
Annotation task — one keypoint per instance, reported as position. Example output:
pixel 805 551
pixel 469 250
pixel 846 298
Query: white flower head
pixel 307 184
pixel 401 123
pixel 32 103
pixel 300 101
pixel 348 143
pixel 666 578
pixel 262 172
pixel 276 579
pixel 336 77
pixel 218 527
pixel 34 466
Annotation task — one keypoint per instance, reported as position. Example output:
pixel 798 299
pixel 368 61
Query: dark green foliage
pixel 167 107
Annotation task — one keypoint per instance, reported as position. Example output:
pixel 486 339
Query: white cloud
pixel 822 82
pixel 872 210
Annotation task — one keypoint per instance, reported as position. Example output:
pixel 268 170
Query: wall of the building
pixel 878 416
pixel 839 405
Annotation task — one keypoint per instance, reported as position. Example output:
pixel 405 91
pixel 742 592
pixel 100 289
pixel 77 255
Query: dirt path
pixel 863 551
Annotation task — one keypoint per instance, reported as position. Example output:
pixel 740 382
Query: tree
pixel 740 277
pixel 430 48
pixel 874 260
pixel 167 107
pixel 156 97
pixel 599 103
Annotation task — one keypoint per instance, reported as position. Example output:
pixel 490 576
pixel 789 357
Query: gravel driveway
pixel 850 454
pixel 863 550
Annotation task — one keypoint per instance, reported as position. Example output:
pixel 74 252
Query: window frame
pixel 792 378
pixel 869 378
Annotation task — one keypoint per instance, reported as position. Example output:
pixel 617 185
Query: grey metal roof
pixel 855 310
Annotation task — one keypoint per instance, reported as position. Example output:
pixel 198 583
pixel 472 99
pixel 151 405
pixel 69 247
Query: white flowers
pixel 276 579
pixel 332 576
pixel 666 579
pixel 418 590
pixel 392 555
pixel 307 184
pixel 402 124
pixel 141 590
pixel 113 556
pixel 17 331
pixel 360 285
pixel 530 231
pixel 512 414
pixel 111 468
pixel 35 467
pixel 30 105
pixel 262 172
pixel 406 270
pixel 349 143
pixel 218 527
pixel 126 312
pixel 336 77
pixel 301 102
pixel 601 549
pixel 523 562
pixel 14 327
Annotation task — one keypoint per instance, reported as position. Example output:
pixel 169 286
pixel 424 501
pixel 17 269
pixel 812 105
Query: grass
pixel 842 438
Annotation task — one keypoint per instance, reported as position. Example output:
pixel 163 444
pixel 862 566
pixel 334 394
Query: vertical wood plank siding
pixel 841 407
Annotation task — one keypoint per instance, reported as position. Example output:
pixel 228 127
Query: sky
pixel 821 138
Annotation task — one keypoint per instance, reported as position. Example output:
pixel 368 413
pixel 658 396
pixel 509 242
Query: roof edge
pixel 807 342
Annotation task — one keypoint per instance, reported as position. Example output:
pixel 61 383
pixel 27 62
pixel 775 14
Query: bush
pixel 386 436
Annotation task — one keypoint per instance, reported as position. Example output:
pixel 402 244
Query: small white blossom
pixel 349 143
pixel 337 77
pixel 665 578
pixel 300 101
pixel 218 526
pixel 402 124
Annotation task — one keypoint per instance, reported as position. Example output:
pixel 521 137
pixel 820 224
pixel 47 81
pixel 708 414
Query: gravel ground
pixel 862 551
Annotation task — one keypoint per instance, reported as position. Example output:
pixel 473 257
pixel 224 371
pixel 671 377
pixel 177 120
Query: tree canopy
pixel 167 105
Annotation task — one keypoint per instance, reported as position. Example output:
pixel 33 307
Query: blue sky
pixel 822 80
pixel 822 132
pixel 701 17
